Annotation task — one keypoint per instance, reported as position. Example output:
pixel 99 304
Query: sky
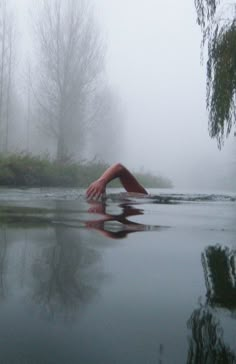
pixel 153 58
pixel 153 61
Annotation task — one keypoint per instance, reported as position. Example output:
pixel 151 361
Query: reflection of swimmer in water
pixel 129 182
pixel 122 225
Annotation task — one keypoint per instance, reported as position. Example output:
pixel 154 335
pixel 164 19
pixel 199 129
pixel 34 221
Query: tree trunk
pixel 9 77
pixel 2 60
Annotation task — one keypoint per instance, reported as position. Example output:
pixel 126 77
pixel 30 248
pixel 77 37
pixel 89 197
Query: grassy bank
pixel 30 171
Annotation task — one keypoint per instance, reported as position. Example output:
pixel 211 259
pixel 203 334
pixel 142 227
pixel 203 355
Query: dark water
pixel 125 280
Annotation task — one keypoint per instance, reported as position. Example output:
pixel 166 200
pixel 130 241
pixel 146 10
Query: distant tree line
pixel 6 72
pixel 64 104
pixel 23 169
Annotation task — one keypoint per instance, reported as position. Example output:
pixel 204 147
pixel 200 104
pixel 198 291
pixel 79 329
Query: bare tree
pixel 107 126
pixel 2 47
pixel 6 70
pixel 28 103
pixel 71 59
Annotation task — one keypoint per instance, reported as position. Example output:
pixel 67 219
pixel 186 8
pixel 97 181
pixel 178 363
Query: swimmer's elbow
pixel 119 167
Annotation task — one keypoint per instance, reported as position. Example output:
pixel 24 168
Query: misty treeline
pixel 54 95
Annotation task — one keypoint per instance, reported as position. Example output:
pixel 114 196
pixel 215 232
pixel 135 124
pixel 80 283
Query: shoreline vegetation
pixel 24 170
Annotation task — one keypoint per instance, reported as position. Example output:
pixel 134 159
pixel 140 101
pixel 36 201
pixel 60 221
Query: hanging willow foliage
pixel 221 82
pixel 205 11
pixel 219 33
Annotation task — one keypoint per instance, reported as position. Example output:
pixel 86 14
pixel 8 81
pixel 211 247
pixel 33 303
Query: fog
pixel 153 64
pixel 154 59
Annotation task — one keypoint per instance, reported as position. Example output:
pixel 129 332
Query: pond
pixel 123 280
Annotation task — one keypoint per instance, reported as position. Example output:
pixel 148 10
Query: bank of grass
pixel 32 171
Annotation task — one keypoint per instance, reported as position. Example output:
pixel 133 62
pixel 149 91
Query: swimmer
pixel 128 181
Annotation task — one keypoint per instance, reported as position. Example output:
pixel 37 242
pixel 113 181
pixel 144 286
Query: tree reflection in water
pixel 59 269
pixel 220 276
pixel 3 257
pixel 206 344
pixel 67 273
pixel 57 265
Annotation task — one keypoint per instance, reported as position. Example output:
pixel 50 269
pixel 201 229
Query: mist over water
pixel 152 63
pixel 124 278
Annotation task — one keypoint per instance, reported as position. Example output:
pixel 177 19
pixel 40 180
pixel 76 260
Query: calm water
pixel 127 280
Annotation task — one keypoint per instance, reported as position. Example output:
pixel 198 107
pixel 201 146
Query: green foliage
pixel 221 82
pixel 33 171
pixel 219 32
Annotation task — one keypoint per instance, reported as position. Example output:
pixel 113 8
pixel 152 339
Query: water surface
pixel 125 280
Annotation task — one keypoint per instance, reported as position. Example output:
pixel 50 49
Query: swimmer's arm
pixel 129 182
